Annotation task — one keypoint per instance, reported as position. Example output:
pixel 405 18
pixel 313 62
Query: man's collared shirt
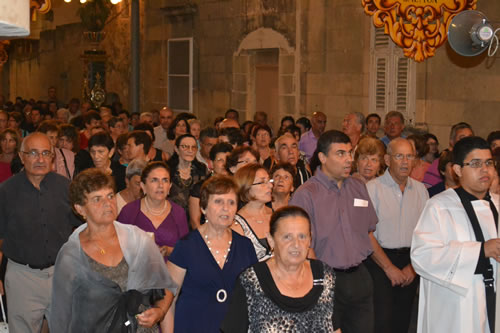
pixel 34 223
pixel 341 219
pixel 201 159
pixel 385 139
pixel 308 143
pixel 162 142
pixel 397 212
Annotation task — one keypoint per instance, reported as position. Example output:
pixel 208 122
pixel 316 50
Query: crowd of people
pixel 157 222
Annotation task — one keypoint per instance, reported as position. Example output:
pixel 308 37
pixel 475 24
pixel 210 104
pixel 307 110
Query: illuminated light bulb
pixel 114 2
pixel 83 1
pixel 67 0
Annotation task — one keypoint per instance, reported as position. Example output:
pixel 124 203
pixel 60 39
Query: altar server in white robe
pixel 446 253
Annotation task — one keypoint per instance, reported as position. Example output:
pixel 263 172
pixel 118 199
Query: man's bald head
pixel 166 117
pixel 229 123
pixel 318 123
pixel 36 136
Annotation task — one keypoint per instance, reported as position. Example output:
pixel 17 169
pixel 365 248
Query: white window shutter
pixel 402 69
pixel 381 84
pixel 381 41
pixel 392 83
pixel 180 74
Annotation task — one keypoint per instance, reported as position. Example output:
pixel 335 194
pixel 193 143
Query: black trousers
pixel 353 306
pixel 393 305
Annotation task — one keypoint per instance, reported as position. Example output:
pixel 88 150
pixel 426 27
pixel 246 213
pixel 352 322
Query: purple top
pixel 432 176
pixel 308 143
pixel 340 219
pixel 173 228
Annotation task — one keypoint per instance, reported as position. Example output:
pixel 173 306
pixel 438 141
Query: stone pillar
pixel 135 56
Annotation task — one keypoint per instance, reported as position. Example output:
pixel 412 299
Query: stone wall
pixel 452 88
pixel 324 65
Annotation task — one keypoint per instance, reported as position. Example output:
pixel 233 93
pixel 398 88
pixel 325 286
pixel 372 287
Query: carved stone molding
pixel 418 26
pixel 180 12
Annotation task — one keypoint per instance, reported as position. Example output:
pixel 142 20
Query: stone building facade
pixel 285 57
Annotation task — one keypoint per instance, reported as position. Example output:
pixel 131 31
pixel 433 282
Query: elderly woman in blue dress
pixel 207 262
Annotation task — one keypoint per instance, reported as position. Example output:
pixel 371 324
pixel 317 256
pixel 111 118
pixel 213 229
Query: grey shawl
pixel 85 301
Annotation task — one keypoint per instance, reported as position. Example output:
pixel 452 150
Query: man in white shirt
pixel 161 140
pixel 455 246
pixel 398 201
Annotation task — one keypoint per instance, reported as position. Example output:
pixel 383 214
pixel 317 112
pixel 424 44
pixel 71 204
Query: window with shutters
pixel 180 74
pixel 392 78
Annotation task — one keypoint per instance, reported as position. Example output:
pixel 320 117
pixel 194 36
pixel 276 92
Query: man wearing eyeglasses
pixel 398 200
pixel 455 247
pixel 342 216
pixel 36 219
pixel 287 151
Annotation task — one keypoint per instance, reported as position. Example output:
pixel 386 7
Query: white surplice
pixel 445 253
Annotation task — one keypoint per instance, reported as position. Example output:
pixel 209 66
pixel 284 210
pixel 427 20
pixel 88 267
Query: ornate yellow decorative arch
pixel 418 26
pixel 42 6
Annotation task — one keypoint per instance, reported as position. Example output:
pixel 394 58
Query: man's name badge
pixel 360 203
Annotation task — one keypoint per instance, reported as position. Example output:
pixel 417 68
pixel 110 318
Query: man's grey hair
pixel 208 132
pixel 64 111
pixel 360 118
pixel 145 114
pixel 392 114
pixel 277 142
pixel 135 167
pixel 455 128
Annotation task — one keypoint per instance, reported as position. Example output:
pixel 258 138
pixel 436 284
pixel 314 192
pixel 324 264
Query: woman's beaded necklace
pixel 155 212
pixel 217 253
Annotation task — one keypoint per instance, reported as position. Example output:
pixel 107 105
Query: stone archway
pixel 260 54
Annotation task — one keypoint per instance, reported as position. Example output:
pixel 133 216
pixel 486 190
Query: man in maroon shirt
pixel 342 216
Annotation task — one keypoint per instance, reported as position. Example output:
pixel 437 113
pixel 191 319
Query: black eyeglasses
pixel 476 164
pixel 46 154
pixel 399 157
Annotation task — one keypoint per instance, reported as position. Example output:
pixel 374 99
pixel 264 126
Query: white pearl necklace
pixel 157 212
pixel 217 252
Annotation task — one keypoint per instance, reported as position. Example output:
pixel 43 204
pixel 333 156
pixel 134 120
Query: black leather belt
pixel 346 270
pixel 40 267
pixel 401 250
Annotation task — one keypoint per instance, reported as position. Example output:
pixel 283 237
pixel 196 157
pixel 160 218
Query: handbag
pixel 4 327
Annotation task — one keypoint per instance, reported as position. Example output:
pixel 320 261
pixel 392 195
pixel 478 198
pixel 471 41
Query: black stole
pixel 484 263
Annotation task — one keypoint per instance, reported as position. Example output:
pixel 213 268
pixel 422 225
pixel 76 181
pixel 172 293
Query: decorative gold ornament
pixel 98 94
pixel 42 6
pixel 418 26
